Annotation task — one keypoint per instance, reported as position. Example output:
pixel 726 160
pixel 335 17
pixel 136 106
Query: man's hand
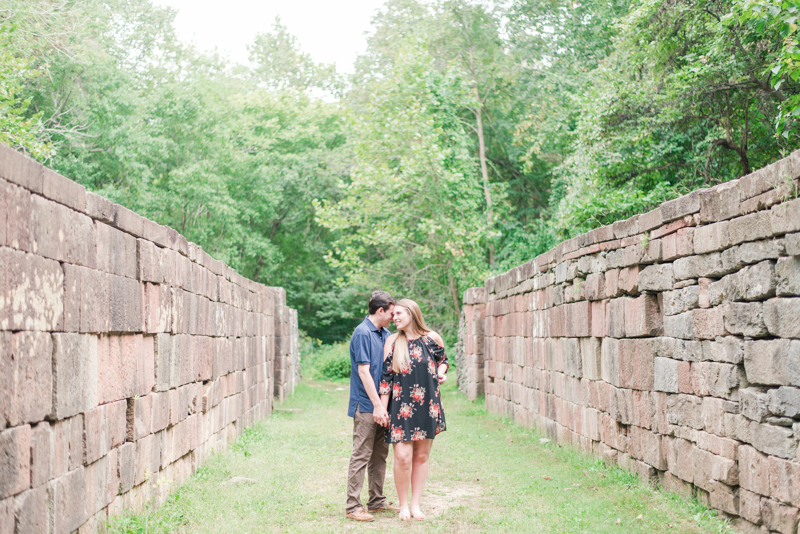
pixel 380 415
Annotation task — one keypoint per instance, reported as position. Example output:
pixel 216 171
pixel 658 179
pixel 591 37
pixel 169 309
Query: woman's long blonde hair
pixel 417 327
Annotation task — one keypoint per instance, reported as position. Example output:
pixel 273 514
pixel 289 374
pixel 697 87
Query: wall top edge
pixel 702 206
pixel 23 171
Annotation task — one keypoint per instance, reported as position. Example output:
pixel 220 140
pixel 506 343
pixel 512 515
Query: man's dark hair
pixel 380 300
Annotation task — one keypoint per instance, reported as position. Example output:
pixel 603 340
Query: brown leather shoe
pixel 387 508
pixel 360 515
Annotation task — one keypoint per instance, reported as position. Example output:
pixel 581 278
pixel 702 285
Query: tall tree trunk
pixel 487 193
pixel 456 297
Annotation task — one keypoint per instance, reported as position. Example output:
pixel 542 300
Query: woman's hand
pixel 442 378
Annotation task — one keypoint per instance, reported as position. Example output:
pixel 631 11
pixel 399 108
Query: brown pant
pixel 369 453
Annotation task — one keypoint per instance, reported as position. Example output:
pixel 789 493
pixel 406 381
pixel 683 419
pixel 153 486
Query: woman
pixel 414 365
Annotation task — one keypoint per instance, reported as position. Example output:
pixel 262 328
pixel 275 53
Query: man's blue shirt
pixel 366 348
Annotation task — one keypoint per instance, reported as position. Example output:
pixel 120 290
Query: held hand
pixel 379 415
pixel 442 378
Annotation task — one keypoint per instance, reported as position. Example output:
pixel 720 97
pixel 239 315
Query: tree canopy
pixel 471 137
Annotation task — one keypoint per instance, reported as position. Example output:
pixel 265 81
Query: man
pixel 369 415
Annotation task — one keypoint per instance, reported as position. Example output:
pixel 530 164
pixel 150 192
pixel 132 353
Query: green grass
pixel 487 475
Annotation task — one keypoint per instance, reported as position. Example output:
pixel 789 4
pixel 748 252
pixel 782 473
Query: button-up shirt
pixel 366 348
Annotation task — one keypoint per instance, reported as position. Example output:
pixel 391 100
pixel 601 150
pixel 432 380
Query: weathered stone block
pixel 784 480
pixel 656 278
pixel 63 190
pixel 685 410
pixel 643 316
pixel 751 227
pixel 785 217
pixel 161 407
pixel 778 517
pixel 610 361
pixel 15 217
pixel 774 440
pixel 126 305
pixel 753 470
pixel 578 319
pixel 42 454
pixel 158 308
pixel 167 368
pixel 150 262
pixel 591 357
pixel 15 460
pixel 727 289
pixel 31 292
pixel 679 326
pixel 126 466
pixel 716 379
pixel 61 233
pixel 753 404
pixel 711 238
pixel 116 251
pixel 685 205
pixel 74 374
pixel 20 169
pixel 140 412
pixel 758 281
pixel 117 369
pixel 681 300
pixel 595 286
pixel 767 362
pixel 148 457
pixel 31 511
pixel 571 354
pixel 782 317
pixel 750 506
pixel 27 381
pixel 68 445
pixel 615 317
pixel 787 276
pixel 707 323
pixel 629 278
pixel 720 202
pixel 744 319
pixel 785 401
pixel 115 417
pixel 666 375
pixel 726 349
pixel 67 501
pixel 128 221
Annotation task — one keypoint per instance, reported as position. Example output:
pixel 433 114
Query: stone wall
pixel 469 349
pixel 668 343
pixel 127 354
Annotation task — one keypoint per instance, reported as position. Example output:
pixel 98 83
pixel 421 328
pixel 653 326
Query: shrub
pixel 330 362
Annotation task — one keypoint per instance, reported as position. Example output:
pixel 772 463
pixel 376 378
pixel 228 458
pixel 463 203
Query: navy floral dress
pixel 415 405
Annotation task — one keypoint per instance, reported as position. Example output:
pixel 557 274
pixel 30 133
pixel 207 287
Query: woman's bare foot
pixel 403 514
pixel 416 513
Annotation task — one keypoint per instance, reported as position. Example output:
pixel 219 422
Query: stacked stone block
pixel 668 343
pixel 127 354
pixel 469 349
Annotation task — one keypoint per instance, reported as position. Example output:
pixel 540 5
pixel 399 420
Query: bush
pixel 330 362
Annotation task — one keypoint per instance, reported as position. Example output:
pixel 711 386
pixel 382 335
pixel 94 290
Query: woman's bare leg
pixel 403 453
pixel 419 474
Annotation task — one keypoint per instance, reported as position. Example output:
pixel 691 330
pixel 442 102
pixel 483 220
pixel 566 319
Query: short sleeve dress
pixel 415 405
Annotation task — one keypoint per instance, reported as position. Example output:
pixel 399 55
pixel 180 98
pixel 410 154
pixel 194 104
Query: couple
pixel 394 398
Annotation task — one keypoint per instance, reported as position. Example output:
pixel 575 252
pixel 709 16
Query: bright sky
pixel 332 31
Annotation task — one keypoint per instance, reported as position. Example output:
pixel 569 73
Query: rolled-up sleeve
pixel 359 350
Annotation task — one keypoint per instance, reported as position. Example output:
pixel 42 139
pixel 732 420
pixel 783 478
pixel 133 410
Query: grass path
pixel 487 475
